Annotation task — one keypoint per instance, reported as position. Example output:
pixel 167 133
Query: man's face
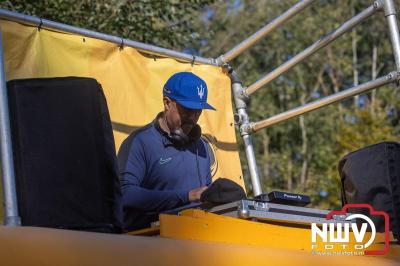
pixel 178 116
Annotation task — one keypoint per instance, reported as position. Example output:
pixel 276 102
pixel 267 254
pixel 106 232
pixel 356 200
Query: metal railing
pixel 337 97
pixel 242 94
pixel 314 48
pixel 261 33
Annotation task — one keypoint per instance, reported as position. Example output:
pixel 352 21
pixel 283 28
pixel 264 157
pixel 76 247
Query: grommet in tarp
pixel 121 46
pixel 193 59
pixel 40 24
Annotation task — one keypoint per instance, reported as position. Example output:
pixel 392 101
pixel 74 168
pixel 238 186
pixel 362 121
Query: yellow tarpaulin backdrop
pixel 132 83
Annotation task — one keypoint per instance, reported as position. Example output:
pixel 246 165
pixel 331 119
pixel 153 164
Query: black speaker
pixel 372 175
pixel 64 154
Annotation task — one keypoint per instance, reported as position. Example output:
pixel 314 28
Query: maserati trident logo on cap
pixel 200 91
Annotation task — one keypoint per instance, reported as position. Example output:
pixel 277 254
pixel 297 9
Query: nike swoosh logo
pixel 163 161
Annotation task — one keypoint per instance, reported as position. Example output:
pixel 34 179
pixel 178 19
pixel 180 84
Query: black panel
pixel 64 154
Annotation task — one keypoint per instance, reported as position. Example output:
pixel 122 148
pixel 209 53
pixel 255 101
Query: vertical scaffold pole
pixel 240 103
pixel 7 163
pixel 390 14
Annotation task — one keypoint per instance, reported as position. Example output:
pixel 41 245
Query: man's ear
pixel 167 103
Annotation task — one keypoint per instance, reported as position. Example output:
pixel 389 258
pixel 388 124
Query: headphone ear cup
pixel 179 138
pixel 195 134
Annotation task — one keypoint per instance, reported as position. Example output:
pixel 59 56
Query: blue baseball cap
pixel 188 90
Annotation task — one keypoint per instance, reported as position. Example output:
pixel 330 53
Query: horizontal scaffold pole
pixel 315 47
pixel 146 48
pixel 255 126
pixel 261 33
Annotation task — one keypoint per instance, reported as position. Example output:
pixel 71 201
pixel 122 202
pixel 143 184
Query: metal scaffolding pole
pixel 315 47
pixel 255 126
pixel 270 27
pixel 243 120
pixel 7 162
pixel 146 48
pixel 390 14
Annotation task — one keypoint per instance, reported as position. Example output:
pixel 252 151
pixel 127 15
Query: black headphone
pixel 178 137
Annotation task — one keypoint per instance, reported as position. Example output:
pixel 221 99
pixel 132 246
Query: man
pixel 166 164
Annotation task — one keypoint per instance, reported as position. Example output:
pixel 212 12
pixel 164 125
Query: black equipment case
pixel 372 175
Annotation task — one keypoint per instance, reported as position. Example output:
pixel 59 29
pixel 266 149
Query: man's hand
pixel 195 194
